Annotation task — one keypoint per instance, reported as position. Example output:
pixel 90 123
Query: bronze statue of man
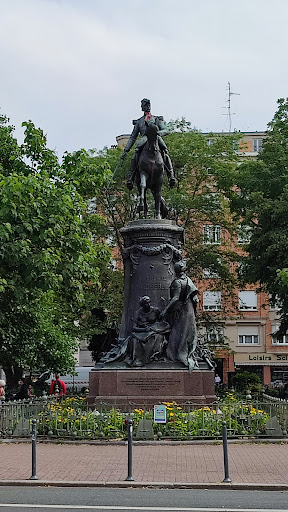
pixel 139 129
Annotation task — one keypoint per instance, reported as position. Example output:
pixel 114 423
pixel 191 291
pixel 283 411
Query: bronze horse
pixel 150 174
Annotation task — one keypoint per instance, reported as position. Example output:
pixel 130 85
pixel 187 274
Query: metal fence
pixel 72 418
pixel 16 416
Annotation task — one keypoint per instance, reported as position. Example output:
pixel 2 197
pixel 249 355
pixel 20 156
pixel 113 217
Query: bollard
pixel 225 452
pixel 130 431
pixel 34 436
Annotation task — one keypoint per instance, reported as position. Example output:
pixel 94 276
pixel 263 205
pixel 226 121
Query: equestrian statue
pixel 150 159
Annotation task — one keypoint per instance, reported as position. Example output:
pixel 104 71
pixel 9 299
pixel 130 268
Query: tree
pixel 51 253
pixel 261 201
pixel 245 380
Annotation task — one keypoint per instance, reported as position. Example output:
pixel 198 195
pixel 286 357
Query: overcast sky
pixel 79 68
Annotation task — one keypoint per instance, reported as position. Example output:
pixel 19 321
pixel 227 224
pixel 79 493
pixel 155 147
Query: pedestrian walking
pixel 217 380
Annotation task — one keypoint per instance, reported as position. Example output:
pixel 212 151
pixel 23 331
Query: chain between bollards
pixel 34 438
pixel 130 434
pixel 225 452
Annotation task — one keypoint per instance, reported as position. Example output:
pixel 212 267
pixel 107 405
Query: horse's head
pixel 151 131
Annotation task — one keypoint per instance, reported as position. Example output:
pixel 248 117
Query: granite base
pixel 149 387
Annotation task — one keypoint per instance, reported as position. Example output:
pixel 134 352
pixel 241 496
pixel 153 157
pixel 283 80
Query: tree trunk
pixel 13 374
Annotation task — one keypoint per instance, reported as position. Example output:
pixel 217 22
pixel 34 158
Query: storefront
pixel 271 367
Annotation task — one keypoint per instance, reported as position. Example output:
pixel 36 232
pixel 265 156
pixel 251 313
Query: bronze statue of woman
pixel 180 313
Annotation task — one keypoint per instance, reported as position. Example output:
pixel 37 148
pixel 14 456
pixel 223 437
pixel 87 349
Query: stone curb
pixel 150 485
pixel 111 442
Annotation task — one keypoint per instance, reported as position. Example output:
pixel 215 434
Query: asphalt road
pixel 71 499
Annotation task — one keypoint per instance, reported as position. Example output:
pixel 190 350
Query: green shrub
pixel 246 380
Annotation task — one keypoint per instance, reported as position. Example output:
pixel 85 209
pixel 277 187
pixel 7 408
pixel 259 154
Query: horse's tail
pixel 163 208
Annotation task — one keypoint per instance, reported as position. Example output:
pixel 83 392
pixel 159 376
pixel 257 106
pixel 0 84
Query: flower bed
pixel 72 418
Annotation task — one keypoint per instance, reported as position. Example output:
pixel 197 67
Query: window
pixel 278 341
pixel 92 206
pixel 244 234
pixel 212 301
pixel 212 234
pixel 110 239
pixel 208 273
pixel 257 145
pixel 114 263
pixel 214 334
pixel 248 335
pixel 241 268
pixel 247 300
pixel 275 304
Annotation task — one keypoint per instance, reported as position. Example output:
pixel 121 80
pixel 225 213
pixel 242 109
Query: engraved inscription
pixel 152 286
pixel 152 234
pixel 154 278
pixel 151 383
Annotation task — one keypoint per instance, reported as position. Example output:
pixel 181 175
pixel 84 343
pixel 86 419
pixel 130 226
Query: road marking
pixel 115 507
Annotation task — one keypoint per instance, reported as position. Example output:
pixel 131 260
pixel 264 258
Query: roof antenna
pixel 229 114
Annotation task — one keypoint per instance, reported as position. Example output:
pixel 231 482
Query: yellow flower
pixel 171 413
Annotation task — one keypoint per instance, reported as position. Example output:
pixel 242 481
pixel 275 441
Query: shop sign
pixel 260 358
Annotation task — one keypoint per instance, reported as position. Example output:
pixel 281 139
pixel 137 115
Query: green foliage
pixel 283 276
pixel 179 125
pixel 35 148
pixel 261 202
pixel 10 153
pixel 246 380
pixel 204 179
pixel 45 328
pixel 50 252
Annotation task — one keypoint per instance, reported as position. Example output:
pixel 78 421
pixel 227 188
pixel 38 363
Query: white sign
pixel 159 414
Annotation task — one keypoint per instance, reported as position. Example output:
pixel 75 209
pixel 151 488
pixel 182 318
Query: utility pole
pixel 229 114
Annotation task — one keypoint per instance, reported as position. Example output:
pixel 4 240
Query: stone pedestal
pixel 151 247
pixel 122 387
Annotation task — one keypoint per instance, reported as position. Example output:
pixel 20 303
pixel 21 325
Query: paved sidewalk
pixel 152 463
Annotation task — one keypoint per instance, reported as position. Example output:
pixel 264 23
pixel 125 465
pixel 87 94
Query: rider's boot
pixel 132 171
pixel 169 170
pixel 130 177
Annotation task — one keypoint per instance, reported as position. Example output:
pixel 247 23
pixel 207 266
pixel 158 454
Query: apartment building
pixel 250 329
pixel 248 325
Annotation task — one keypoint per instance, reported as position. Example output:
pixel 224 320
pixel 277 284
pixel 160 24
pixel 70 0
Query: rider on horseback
pixel 140 128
